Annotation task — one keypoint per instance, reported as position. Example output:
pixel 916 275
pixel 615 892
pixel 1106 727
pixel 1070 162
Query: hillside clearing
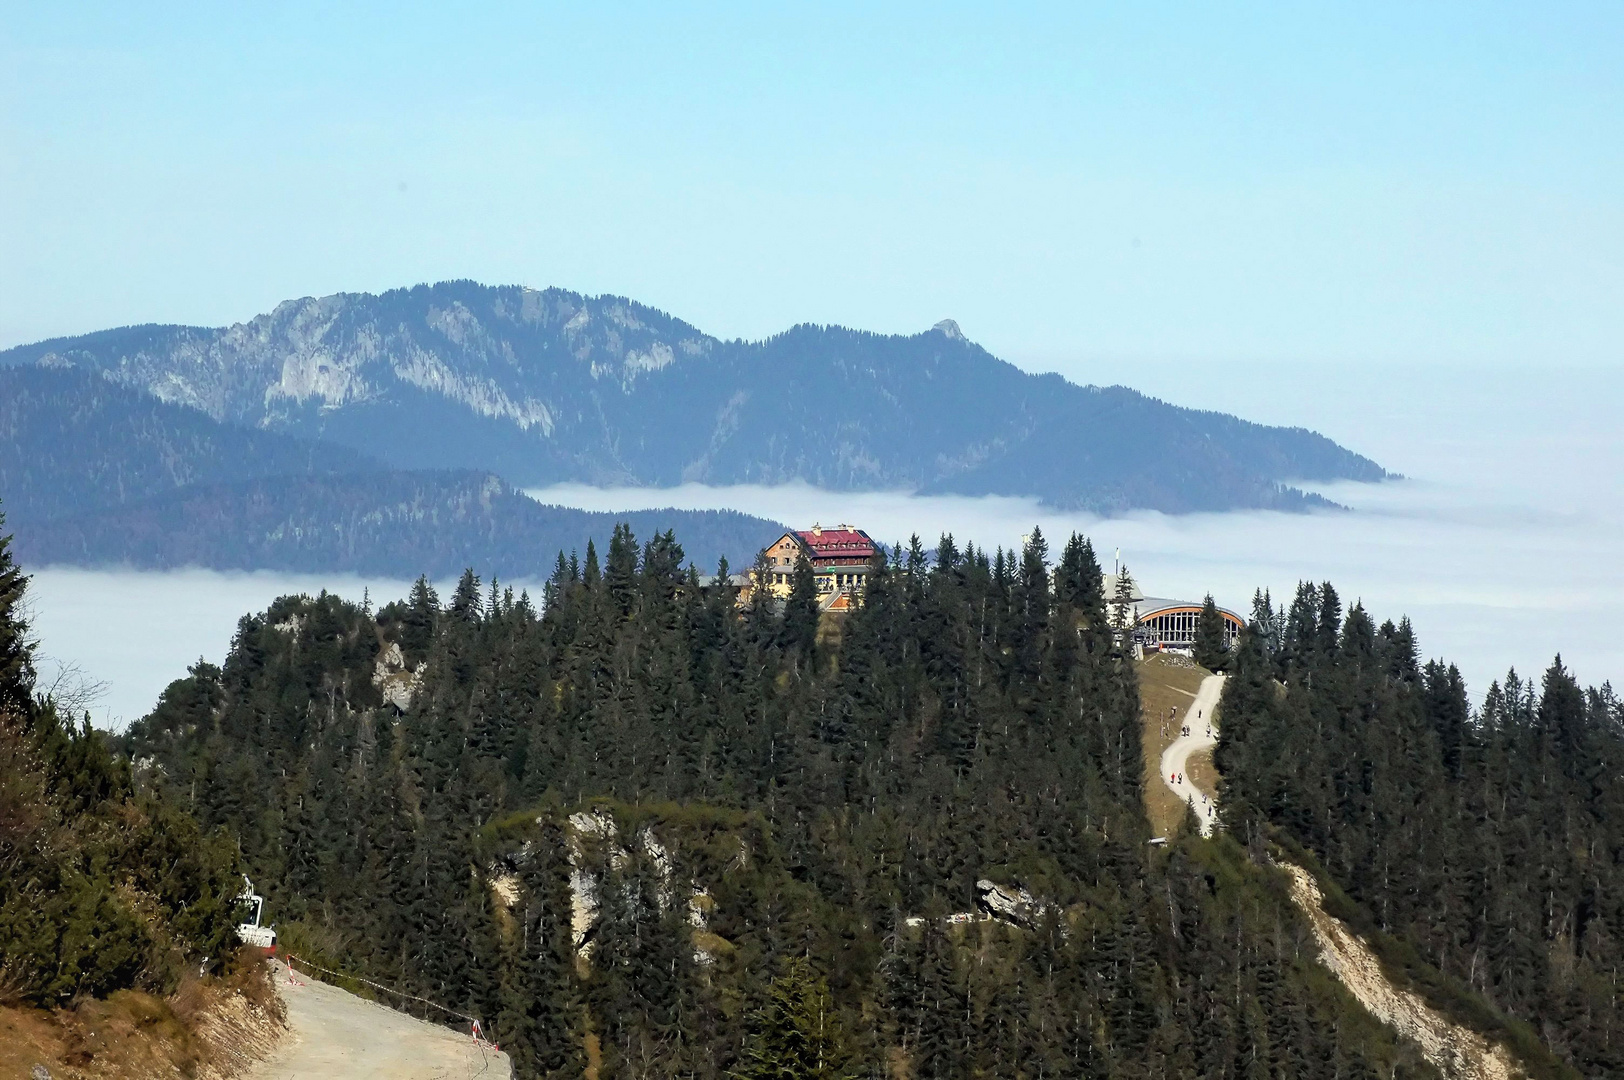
pixel 1167 687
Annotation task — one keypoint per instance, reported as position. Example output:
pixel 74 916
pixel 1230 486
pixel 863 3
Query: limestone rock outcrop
pixel 393 679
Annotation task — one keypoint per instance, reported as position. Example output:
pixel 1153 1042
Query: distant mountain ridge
pixel 546 386
pixel 399 523
pixel 72 442
pixel 97 474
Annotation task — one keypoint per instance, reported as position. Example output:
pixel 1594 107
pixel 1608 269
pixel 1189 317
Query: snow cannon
pixel 252 933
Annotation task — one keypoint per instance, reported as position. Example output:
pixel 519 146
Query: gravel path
pixel 1202 720
pixel 333 1034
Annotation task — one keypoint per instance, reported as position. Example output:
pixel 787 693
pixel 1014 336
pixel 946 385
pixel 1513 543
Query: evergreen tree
pixel 590 573
pixel 801 608
pixel 417 619
pixel 1265 624
pixel 1078 581
pixel 620 571
pixel 465 602
pixel 1122 608
pixel 797 1034
pixel 16 663
pixel 1211 651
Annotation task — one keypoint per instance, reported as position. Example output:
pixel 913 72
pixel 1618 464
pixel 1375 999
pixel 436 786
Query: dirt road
pixel 1202 720
pixel 333 1034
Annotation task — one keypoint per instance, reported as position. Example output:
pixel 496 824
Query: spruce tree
pixel 465 603
pixel 1122 609
pixel 1210 650
pixel 16 654
pixel 797 1034
pixel 801 609
pixel 590 573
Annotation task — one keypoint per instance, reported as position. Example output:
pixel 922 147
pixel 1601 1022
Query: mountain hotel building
pixel 841 559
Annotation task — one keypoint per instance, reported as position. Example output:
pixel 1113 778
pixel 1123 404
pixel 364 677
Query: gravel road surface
pixel 333 1034
pixel 1202 720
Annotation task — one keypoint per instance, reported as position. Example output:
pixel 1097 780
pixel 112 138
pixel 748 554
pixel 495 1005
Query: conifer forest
pixel 644 832
pixel 103 887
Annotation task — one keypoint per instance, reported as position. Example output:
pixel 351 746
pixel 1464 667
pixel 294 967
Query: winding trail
pixel 1202 720
pixel 1454 1050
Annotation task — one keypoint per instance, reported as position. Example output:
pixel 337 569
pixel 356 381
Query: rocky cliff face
pixel 657 865
pixel 546 386
pixel 347 349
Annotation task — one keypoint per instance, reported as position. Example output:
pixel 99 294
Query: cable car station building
pixel 1162 623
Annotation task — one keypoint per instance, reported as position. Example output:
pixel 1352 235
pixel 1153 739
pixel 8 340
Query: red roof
pixel 843 544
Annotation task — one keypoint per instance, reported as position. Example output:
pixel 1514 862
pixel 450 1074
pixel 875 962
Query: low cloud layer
pixel 1506 547
pixel 134 632
pixel 1488 588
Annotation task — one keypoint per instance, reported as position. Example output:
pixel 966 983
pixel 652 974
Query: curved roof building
pixel 1160 622
pixel 1171 624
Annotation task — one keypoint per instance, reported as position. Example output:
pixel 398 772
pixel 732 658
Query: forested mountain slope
pixel 644 832
pixel 94 473
pixel 100 889
pixel 1489 846
pixel 394 523
pixel 74 442
pixel 117 956
pixel 553 386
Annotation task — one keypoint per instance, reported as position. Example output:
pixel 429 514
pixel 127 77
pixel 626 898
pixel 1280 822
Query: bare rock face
pixel 585 828
pixel 393 679
pixel 596 852
pixel 506 889
pixel 1010 903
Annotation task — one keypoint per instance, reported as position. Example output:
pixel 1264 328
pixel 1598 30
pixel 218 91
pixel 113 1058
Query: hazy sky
pixel 1076 184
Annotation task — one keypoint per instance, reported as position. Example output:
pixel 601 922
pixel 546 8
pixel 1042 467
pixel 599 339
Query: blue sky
pixel 1079 185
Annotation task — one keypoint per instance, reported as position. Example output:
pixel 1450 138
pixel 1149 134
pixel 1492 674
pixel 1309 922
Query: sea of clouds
pixel 1504 544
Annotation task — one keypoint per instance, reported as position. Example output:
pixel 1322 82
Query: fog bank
pixel 135 632
pixel 1505 546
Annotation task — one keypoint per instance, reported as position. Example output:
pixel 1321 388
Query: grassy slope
pixel 1164 685
pixel 1201 772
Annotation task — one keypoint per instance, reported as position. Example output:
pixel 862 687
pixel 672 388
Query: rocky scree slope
pixel 549 386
